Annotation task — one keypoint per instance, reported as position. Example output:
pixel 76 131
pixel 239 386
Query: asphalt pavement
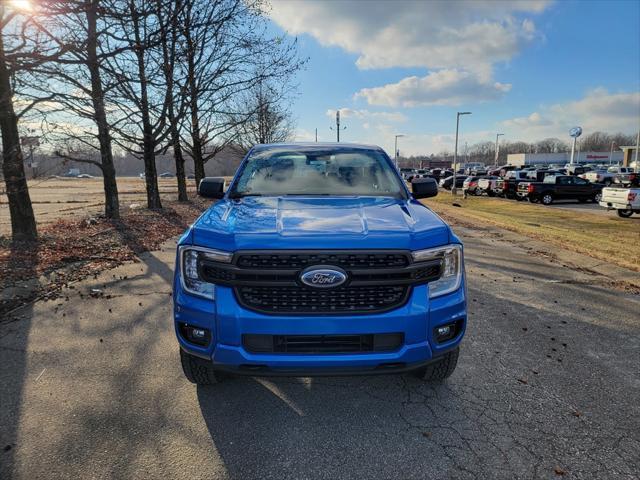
pixel 547 387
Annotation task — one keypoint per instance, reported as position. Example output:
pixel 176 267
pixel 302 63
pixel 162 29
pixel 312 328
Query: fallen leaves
pixel 69 250
pixel 560 471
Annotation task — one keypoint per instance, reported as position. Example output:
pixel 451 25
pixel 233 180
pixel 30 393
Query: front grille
pixel 318 344
pixel 298 299
pixel 269 281
pixel 304 259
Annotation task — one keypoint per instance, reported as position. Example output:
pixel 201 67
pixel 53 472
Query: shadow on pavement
pixel 14 337
pixel 347 427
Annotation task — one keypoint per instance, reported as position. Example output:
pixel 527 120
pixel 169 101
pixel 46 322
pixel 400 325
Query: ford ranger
pixel 318 260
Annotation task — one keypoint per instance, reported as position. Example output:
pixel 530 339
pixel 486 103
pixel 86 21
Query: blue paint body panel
pixel 323 223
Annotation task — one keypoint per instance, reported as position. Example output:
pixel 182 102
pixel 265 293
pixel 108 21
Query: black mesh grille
pixel 383 342
pixel 303 259
pixel 291 300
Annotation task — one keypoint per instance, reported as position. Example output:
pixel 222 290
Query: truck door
pixel 582 188
pixel 563 187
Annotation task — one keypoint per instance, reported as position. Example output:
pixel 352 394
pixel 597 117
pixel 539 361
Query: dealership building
pixel 525 159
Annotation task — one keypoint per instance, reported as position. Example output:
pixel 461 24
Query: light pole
pixel 395 150
pixel 611 154
pixel 455 152
pixel 498 135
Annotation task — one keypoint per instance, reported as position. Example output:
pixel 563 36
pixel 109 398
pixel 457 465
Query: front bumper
pixel 616 205
pixel 228 321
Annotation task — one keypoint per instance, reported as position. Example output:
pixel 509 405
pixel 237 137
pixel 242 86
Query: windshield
pixel 348 172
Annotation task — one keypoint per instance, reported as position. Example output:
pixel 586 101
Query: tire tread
pixel 197 370
pixel 442 369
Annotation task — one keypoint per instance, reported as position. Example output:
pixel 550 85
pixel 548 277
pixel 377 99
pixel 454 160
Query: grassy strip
pixel 607 238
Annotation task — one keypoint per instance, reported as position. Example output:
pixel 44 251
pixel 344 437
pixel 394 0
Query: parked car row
pixel 541 185
pixel 546 185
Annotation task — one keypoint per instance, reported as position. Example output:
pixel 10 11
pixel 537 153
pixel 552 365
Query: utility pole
pixel 316 135
pixel 455 152
pixel 395 150
pixel 495 161
pixel 338 126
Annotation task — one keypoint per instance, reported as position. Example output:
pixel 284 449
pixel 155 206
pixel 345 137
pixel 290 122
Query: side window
pixel 579 181
pixel 564 180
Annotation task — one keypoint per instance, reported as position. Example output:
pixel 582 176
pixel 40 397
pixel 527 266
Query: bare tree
pixel 551 145
pixel 171 34
pixel 140 97
pixel 228 51
pixel 80 125
pixel 21 48
pixel 268 118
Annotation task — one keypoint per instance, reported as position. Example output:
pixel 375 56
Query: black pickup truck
pixel 508 185
pixel 560 187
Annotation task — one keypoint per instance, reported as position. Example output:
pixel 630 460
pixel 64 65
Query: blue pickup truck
pixel 318 260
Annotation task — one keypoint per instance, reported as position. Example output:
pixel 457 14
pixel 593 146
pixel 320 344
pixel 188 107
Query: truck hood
pixel 319 222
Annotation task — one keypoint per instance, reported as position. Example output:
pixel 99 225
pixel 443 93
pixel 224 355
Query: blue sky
pixel 531 69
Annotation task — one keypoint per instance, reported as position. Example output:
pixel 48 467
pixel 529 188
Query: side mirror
pixel 211 187
pixel 424 187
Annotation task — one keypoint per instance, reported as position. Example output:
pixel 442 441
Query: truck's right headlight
pixel 189 272
pixel 451 276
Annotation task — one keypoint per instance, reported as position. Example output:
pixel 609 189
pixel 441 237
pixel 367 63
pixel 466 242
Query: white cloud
pixel 445 87
pixel 457 42
pixel 471 34
pixel 599 110
pixel 366 115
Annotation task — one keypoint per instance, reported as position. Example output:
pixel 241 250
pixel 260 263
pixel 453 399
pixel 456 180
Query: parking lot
pixel 547 387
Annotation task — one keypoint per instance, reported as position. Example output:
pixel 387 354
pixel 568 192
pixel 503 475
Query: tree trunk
pixel 148 143
pixel 151 174
pixel 196 140
pixel 23 222
pixel 111 201
pixel 169 71
pixel 180 174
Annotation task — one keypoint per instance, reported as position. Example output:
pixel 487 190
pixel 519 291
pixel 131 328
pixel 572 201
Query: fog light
pixel 197 335
pixel 444 331
pixel 447 332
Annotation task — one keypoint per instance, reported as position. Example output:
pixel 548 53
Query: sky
pixel 530 69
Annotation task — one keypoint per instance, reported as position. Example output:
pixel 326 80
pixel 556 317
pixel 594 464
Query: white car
pixel 626 201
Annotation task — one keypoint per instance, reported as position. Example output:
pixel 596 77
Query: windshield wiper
pixel 241 195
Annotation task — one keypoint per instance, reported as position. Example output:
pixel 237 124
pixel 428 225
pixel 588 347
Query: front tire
pixel 597 197
pixel 625 213
pixel 440 370
pixel 198 370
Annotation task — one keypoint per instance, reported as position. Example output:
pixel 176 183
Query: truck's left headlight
pixel 451 276
pixel 190 258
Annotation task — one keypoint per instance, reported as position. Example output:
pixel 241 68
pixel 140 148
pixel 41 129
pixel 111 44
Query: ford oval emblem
pixel 321 276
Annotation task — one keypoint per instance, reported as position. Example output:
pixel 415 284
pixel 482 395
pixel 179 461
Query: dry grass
pixel 608 238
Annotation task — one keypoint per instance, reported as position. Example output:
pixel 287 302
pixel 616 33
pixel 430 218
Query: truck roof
pixel 316 146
